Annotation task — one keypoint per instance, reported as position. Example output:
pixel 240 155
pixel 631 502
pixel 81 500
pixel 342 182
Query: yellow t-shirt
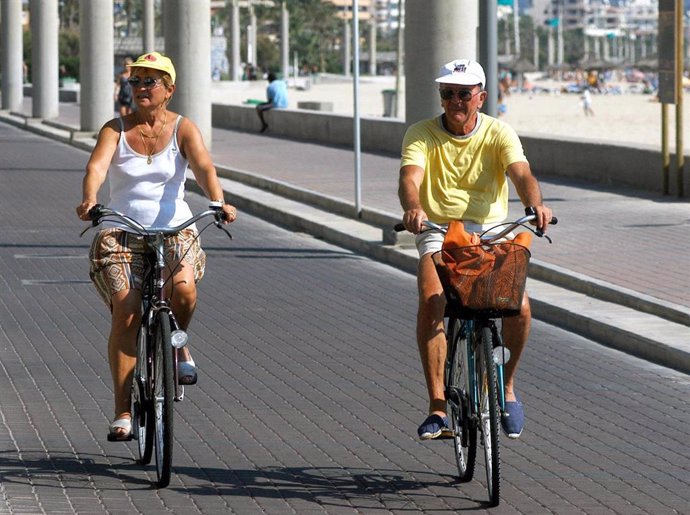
pixel 464 176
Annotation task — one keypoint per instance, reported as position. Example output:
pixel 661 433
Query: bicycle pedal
pixel 446 434
pixel 179 393
pixel 113 438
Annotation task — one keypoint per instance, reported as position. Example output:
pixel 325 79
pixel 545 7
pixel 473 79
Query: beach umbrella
pixel 648 63
pixel 597 64
pixel 521 65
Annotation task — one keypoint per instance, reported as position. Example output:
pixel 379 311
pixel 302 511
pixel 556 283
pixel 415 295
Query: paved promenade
pixel 310 387
pixel 636 240
pixel 617 272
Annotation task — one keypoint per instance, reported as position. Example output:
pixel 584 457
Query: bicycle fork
pixel 178 339
pixel 501 356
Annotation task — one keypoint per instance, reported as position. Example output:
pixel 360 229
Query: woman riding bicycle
pixel 454 167
pixel 145 156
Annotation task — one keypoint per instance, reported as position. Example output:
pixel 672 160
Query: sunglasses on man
pixel 147 82
pixel 464 95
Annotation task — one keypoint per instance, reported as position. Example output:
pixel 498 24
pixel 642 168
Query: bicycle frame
pixel 155 301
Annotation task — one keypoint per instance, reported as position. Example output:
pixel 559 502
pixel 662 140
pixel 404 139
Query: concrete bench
pixel 316 106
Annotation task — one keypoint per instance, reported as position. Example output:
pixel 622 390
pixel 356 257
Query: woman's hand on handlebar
pixel 83 210
pixel 412 220
pixel 229 213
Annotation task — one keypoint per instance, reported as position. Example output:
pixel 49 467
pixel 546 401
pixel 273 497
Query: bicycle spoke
pixel 457 396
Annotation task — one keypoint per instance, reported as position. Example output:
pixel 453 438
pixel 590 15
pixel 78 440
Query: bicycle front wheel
pixel 489 414
pixel 163 395
pixel 142 419
pixel 457 383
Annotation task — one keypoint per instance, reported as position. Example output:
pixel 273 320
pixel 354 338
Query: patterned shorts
pixel 118 262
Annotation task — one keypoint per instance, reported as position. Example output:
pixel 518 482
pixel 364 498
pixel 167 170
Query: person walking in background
pixel 276 93
pixel 124 91
pixel 456 166
pixel 587 102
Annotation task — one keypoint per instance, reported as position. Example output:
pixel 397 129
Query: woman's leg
pixel 182 292
pixel 122 347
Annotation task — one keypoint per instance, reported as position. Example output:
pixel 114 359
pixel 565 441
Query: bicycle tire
pixel 458 402
pixel 163 397
pixel 489 415
pixel 142 419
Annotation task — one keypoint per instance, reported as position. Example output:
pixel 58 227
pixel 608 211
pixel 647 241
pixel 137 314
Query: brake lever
pixel 221 227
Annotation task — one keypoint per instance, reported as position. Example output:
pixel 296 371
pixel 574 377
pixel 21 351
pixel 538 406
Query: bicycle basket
pixel 486 280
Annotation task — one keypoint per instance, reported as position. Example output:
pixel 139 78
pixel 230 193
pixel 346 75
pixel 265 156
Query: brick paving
pixel 310 388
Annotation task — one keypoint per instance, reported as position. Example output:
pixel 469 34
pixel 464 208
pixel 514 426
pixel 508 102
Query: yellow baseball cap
pixel 155 61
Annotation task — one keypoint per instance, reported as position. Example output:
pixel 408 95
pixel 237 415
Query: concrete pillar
pixel 251 35
pixel 188 44
pixel 96 68
pixel 149 22
pixel 372 48
pixel 12 62
pixel 285 40
pixel 234 57
pixel 550 53
pixel 454 36
pixel 44 58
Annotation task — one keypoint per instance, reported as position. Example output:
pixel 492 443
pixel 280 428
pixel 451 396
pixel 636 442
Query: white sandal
pixel 114 435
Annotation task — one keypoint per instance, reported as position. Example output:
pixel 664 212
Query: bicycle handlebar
pixel 99 213
pixel 510 226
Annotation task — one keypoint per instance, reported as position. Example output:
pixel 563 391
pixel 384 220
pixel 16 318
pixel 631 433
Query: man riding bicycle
pixel 454 167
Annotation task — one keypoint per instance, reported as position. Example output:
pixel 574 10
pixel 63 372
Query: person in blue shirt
pixel 276 92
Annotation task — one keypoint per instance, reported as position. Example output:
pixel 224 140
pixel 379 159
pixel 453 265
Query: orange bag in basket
pixel 483 277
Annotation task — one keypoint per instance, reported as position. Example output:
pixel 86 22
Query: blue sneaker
pixel 433 427
pixel 513 418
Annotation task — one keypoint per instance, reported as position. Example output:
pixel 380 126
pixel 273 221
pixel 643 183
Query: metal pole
pixel 399 60
pixel 355 82
pixel 516 27
pixel 680 157
pixel 665 156
pixel 488 51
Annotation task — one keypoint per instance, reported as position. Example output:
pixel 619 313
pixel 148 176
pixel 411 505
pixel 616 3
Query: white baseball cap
pixel 462 71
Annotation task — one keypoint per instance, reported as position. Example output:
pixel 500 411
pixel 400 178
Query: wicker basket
pixel 484 280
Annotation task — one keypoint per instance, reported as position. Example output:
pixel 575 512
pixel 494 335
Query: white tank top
pixel 152 194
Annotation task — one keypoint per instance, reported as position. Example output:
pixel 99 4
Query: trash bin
pixel 390 107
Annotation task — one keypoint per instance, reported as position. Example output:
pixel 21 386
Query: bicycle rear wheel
pixel 142 419
pixel 458 401
pixel 489 415
pixel 163 395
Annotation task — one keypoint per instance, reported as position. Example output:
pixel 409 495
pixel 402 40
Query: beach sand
pixel 630 118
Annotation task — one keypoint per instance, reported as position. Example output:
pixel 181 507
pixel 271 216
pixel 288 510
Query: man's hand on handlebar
pixel 412 220
pixel 544 217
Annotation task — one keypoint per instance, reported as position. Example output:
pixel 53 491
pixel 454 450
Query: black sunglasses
pixel 463 94
pixel 148 82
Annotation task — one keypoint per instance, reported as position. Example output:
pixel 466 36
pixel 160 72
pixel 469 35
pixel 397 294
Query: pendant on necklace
pixel 148 161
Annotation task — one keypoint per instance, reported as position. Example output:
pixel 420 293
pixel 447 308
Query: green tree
pixel 68 52
pixel 69 14
pixel 316 33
